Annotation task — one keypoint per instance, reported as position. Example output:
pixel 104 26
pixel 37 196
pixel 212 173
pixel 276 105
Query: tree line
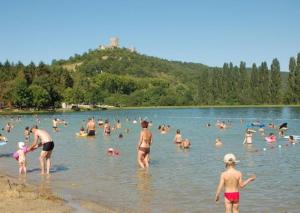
pixel 121 78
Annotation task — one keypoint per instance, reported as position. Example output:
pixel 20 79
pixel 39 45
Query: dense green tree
pixel 40 97
pixel 275 84
pixel 264 84
pixel 21 95
pixel 291 89
pixel 297 80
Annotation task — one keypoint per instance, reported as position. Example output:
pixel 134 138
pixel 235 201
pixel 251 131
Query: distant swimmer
pixel 291 139
pixel 55 125
pixel 8 127
pixel 48 146
pixel 2 138
pixel 112 152
pixel 118 125
pixel 106 129
pixel 100 123
pixel 218 142
pixel 231 180
pixel 185 144
pixel 248 136
pixel 143 147
pixel 178 137
pixel 91 127
pixel 26 134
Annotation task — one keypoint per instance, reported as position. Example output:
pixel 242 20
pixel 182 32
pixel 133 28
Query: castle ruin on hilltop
pixel 114 43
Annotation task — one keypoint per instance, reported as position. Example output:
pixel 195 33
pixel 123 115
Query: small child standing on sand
pixel 232 181
pixel 22 158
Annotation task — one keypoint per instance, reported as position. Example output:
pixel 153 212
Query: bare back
pixel 145 138
pixel 232 179
pixel 91 125
pixel 42 135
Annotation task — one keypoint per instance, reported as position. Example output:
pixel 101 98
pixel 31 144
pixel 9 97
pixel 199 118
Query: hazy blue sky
pixel 210 32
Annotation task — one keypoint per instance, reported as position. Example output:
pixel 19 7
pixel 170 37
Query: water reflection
pixel 145 190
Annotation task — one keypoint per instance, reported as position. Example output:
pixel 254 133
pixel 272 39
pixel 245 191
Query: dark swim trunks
pixel 91 133
pixel 49 146
pixel 146 150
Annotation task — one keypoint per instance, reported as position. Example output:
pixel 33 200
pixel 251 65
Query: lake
pixel 177 180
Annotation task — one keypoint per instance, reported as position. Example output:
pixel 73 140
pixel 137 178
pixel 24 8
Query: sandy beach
pixel 16 196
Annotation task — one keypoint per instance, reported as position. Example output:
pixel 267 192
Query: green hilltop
pixel 122 77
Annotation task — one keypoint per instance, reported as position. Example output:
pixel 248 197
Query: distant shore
pixel 60 110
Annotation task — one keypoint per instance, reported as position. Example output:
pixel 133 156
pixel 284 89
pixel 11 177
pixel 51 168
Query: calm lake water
pixel 177 180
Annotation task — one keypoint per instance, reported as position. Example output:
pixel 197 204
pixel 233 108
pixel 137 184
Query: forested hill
pixel 121 77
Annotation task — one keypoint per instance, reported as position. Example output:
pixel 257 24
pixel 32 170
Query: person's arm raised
pixel 244 183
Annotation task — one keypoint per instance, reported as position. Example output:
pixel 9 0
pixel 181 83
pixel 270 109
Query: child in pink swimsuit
pixel 22 158
pixel 232 181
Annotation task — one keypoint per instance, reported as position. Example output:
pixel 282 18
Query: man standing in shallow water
pixel 48 146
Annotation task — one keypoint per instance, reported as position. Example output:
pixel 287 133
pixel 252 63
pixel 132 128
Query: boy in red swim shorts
pixel 232 181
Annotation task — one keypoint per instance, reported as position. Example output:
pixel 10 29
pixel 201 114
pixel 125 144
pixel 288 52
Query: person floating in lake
pixel 178 137
pixel 91 127
pixel 143 147
pixel 22 158
pixel 291 139
pixel 231 180
pixel 185 144
pixel 3 138
pixel 218 142
pixel 82 131
pixel 48 146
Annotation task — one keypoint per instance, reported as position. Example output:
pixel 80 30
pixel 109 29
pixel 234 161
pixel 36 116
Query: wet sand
pixel 16 196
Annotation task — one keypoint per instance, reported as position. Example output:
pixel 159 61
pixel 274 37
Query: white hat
pixel 230 158
pixel 21 145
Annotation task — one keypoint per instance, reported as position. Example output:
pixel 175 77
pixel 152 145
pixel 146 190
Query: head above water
pixel 178 131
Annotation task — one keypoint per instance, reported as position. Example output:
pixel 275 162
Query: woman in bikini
pixel 143 147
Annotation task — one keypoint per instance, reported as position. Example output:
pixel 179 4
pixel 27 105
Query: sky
pixel 202 31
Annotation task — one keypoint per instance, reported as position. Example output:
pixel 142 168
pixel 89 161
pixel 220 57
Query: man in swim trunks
pixel 232 181
pixel 91 127
pixel 143 147
pixel 48 146
pixel 54 125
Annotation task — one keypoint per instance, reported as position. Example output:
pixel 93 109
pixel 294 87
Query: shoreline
pixel 18 195
pixel 60 110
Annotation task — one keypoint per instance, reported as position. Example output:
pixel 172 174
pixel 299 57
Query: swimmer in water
pixel 248 136
pixel 185 144
pixel 218 142
pixel 231 180
pixel 106 129
pixel 27 134
pixel 178 137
